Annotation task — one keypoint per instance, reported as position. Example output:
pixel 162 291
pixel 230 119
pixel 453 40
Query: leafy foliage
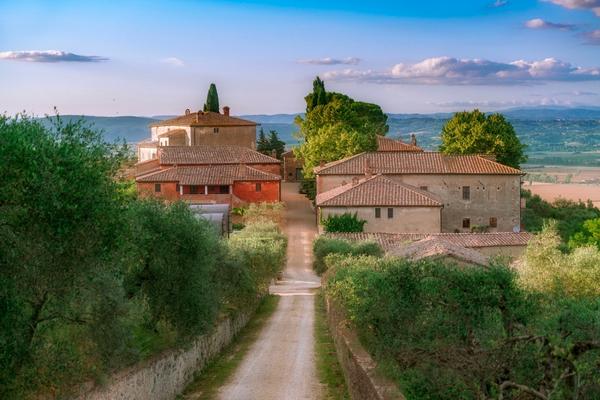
pixel 448 332
pixel 269 145
pixel 93 279
pixel 212 99
pixel 345 222
pixel 475 133
pixel 547 269
pixel 324 246
pixel 569 215
pixel 588 235
pixel 336 126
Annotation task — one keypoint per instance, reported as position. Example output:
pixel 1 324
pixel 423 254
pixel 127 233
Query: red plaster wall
pixel 168 190
pixel 246 191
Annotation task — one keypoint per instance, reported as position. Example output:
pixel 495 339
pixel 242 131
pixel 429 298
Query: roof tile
pixel 213 154
pixel 204 118
pixel 208 175
pixel 389 144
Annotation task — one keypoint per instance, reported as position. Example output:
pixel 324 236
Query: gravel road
pixel 281 363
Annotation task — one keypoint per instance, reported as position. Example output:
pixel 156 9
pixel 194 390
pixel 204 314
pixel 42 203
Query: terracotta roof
pixel 389 144
pixel 471 240
pixel 435 246
pixel 206 118
pixel 404 162
pixel 208 175
pixel 376 191
pixel 213 154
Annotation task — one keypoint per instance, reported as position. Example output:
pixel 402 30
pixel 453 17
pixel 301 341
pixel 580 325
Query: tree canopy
pixel 473 132
pixel 336 126
pixel 212 99
pixel 272 143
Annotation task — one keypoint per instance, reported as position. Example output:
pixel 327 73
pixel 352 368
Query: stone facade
pixel 491 198
pixel 403 219
pixel 292 167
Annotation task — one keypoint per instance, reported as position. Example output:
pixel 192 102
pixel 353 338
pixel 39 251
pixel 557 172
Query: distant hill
pixel 541 128
pixel 130 129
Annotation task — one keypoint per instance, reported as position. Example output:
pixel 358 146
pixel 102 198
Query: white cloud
pixel 454 71
pixel 493 104
pixel 174 61
pixel 593 5
pixel 592 37
pixel 331 61
pixel 48 56
pixel 538 23
pixel 499 3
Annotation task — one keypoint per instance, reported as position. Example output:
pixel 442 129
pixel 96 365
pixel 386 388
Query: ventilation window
pixel 157 187
pixel 390 213
pixel 466 223
pixel 215 130
pixel 378 213
pixel 258 187
pixel 493 222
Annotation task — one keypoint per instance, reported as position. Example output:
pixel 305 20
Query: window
pixel 493 222
pixel 177 188
pixel 466 191
pixel 378 213
pixel 215 130
pixel 466 223
pixel 194 189
pixel 423 187
pixel 258 187
pixel 390 213
pixel 224 189
pixel 157 187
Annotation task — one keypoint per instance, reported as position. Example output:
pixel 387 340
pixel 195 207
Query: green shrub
pixel 324 246
pixel 345 222
pixel 449 332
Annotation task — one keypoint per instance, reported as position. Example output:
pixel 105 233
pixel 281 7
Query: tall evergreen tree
pixel 262 144
pixel 318 95
pixel 276 144
pixel 212 99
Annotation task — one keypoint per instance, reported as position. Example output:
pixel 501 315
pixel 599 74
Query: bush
pixel 324 246
pixel 546 268
pixel 446 332
pixel 94 279
pixel 345 222
pixel 259 212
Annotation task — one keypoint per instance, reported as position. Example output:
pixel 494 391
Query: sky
pixel 119 58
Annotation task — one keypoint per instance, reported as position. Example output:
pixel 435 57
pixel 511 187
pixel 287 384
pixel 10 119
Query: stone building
pixel 210 174
pixel 198 128
pixel 475 192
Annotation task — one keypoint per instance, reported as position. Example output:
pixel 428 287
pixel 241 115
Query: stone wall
pixel 166 375
pixel 358 366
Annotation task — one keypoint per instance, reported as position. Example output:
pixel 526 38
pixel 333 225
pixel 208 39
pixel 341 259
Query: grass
pixel 328 368
pixel 206 385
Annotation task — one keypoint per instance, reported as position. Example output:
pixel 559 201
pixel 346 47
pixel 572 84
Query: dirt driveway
pixel 281 363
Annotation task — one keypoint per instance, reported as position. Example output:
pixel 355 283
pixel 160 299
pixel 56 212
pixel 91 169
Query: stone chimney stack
pixel 413 139
pixel 226 111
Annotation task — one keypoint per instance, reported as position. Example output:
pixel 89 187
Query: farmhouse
pixel 198 128
pixel 465 192
pixel 210 174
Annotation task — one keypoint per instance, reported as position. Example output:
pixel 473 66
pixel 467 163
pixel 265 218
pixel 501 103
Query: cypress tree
pixel 318 96
pixel 262 144
pixel 276 144
pixel 212 99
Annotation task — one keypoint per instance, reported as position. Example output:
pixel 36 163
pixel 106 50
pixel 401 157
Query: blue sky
pixel 150 58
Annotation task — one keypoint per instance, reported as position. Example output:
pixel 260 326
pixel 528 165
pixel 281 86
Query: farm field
pixel 570 191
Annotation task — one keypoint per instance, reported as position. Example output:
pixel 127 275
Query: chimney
pixel 354 180
pixel 226 111
pixel 413 139
pixel 198 115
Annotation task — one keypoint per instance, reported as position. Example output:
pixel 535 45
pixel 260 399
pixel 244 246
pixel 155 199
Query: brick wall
pixel 246 191
pixel 168 190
